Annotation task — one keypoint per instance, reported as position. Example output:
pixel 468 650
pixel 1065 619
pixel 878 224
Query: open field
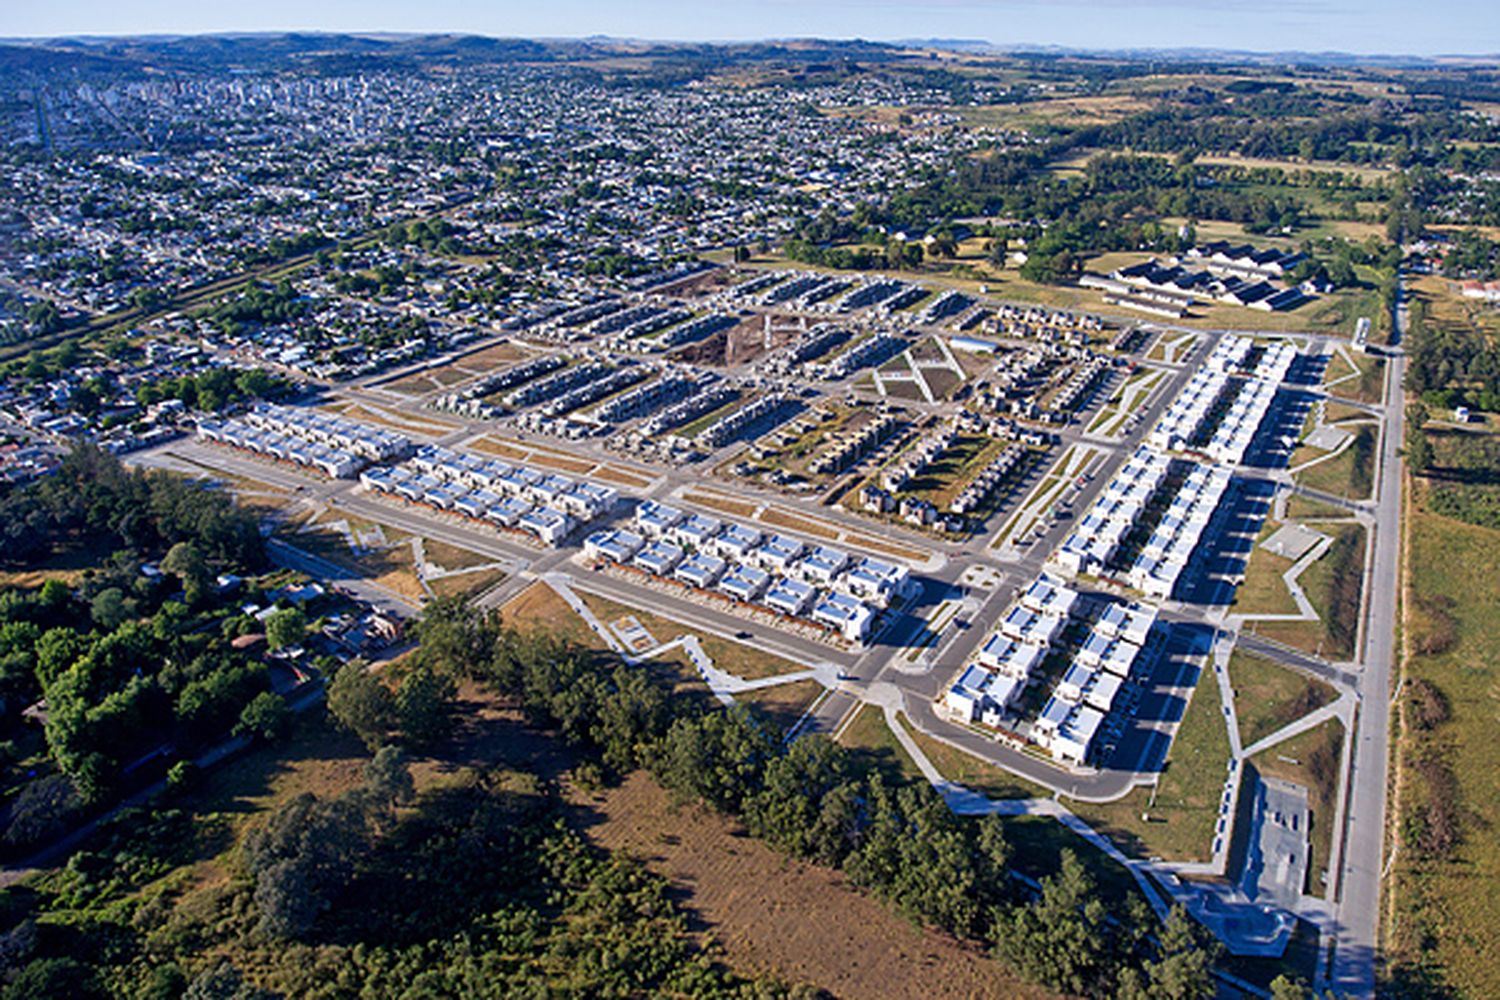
pixel 1301 508
pixel 1264 590
pixel 748 906
pixel 392 566
pixel 1181 823
pixel 1367 384
pixel 434 427
pixel 1349 474
pixel 782 706
pixel 786 918
pixel 1444 904
pixel 538 608
pixel 1333 585
pixel 466 584
pixel 728 655
pixel 1268 696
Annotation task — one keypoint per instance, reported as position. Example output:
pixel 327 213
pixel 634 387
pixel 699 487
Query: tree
pixel 1060 939
pixel 302 858
pixel 1286 988
pixel 1181 969
pixel 223 982
pixel 185 562
pixel 361 703
pixel 286 627
pixel 424 703
pixel 54 977
pixel 109 608
pixel 388 782
pixel 265 717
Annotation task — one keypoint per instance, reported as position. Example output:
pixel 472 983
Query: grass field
pixel 1181 823
pixel 1349 474
pixel 973 773
pixel 730 656
pixel 1444 903
pixel 782 705
pixel 1264 590
pixel 1367 385
pixel 1333 585
pixel 1268 696
pixel 869 734
pixel 1301 508
pixel 1311 759
pixel 392 567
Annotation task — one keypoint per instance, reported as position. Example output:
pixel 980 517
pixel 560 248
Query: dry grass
pixel 490 446
pixel 466 584
pixel 1445 907
pixel 538 608
pixel 784 918
pixel 573 465
pixel 614 474
pixel 451 557
pixel 722 504
pixel 406 425
pixel 779 518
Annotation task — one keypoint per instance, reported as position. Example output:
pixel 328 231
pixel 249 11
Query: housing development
pixel 557 483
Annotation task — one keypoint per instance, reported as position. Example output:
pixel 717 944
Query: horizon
pixel 1446 29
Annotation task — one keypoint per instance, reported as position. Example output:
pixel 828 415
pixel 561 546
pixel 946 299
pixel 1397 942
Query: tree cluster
pixel 810 800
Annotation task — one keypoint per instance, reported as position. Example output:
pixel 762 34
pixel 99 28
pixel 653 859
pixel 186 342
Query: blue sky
pixel 1364 26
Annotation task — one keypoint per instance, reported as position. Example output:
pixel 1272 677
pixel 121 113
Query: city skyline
pixel 1447 27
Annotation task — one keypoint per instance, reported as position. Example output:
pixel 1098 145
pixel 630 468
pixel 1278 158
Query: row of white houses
pixel 505 494
pixel 332 445
pixel 1088 692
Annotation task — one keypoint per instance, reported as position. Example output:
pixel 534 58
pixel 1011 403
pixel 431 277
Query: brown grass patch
pixel 795 921
pixel 734 508
pixel 792 522
pixel 574 465
pixel 466 584
pixel 490 446
pixel 539 608
pixel 614 474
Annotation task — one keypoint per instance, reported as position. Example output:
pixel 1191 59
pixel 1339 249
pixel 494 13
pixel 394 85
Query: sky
pixel 1397 27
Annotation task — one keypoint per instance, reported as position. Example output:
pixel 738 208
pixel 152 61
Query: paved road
pixel 1359 881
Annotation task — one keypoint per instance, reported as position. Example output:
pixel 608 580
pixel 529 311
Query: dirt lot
pixel 800 923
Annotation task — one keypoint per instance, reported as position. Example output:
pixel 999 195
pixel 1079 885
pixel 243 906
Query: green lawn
pixel 971 772
pixel 782 705
pixel 877 745
pixel 1264 591
pixel 1301 508
pixel 1268 696
pixel 1348 474
pixel 1181 824
pixel 1333 585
